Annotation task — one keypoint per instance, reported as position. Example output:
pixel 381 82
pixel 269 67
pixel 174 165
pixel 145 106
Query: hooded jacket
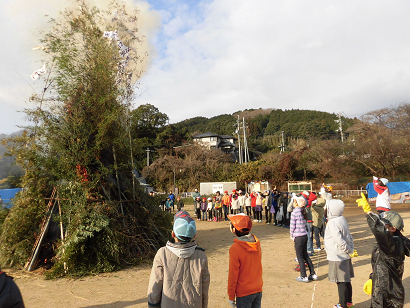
pixel 388 265
pixel 317 212
pixel 179 277
pixel 10 295
pixel 245 267
pixel 338 240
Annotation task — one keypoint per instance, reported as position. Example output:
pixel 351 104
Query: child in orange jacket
pixel 245 265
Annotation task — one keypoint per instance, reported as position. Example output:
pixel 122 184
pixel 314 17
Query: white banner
pixel 111 34
pixel 39 72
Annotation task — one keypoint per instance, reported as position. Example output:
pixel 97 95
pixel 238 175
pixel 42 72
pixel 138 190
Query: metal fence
pixel 348 193
pixel 337 193
pixel 186 194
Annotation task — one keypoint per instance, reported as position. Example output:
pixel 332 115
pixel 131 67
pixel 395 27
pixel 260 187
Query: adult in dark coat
pixel 388 264
pixel 387 258
pixel 10 296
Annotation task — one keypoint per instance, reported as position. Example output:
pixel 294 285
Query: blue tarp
pixel 7 195
pixel 394 187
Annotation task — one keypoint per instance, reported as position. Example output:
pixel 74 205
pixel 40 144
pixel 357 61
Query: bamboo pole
pixel 118 184
pixel 62 235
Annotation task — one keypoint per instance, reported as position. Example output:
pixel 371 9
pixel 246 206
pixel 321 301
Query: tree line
pixel 375 144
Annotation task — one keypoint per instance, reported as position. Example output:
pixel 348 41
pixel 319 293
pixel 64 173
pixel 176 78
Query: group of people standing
pixel 274 205
pixel 309 211
pixel 309 217
pixel 385 280
pixel 169 203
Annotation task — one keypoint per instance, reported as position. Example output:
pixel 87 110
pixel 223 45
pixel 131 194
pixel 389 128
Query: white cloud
pixel 221 56
pixel 350 56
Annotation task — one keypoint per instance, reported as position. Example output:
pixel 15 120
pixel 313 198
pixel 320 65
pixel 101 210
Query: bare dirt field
pixel 127 288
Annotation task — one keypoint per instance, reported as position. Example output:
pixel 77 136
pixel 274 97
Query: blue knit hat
pixel 184 226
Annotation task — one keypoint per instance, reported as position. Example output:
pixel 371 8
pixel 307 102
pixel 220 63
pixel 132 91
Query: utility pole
pixel 173 191
pixel 148 156
pixel 282 144
pixel 340 126
pixel 245 142
pixel 238 131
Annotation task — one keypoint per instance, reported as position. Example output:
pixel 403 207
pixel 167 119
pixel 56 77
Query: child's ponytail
pixel 304 213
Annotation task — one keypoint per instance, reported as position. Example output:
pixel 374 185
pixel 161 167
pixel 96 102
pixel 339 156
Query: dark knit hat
pixel 393 219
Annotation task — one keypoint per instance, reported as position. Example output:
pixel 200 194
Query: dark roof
pixel 204 135
pixel 225 144
pixel 227 137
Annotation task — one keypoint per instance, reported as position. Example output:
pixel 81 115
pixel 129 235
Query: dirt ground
pixel 127 288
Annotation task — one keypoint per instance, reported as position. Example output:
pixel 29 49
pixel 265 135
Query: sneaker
pixel 349 305
pixel 312 277
pixel 255 220
pixel 311 254
pixel 260 220
pixel 279 225
pixel 302 279
pixel 267 223
pixel 296 260
pixel 337 306
pixel 317 249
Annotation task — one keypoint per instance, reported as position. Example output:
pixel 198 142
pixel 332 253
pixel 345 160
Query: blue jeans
pixel 226 211
pixel 249 301
pixel 309 235
pixel 204 215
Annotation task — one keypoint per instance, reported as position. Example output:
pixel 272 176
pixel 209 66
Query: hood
pixel 182 250
pixel 335 208
pixel 406 244
pixel 320 202
pixel 248 242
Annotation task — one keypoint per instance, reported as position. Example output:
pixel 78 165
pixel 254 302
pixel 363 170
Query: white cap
pixel 384 181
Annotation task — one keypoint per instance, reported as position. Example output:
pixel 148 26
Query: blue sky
pixel 217 56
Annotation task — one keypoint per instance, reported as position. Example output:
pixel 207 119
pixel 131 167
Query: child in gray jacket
pixel 179 275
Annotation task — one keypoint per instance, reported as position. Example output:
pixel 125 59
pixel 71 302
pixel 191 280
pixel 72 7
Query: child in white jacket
pixel 235 204
pixel 339 249
pixel 210 209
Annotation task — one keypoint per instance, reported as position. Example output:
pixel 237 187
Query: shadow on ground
pixel 119 304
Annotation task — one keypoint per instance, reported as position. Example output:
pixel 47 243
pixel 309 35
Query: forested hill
pixel 264 122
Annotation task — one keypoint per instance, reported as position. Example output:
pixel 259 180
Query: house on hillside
pixel 225 143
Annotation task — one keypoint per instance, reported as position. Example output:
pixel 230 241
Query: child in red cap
pixel 204 206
